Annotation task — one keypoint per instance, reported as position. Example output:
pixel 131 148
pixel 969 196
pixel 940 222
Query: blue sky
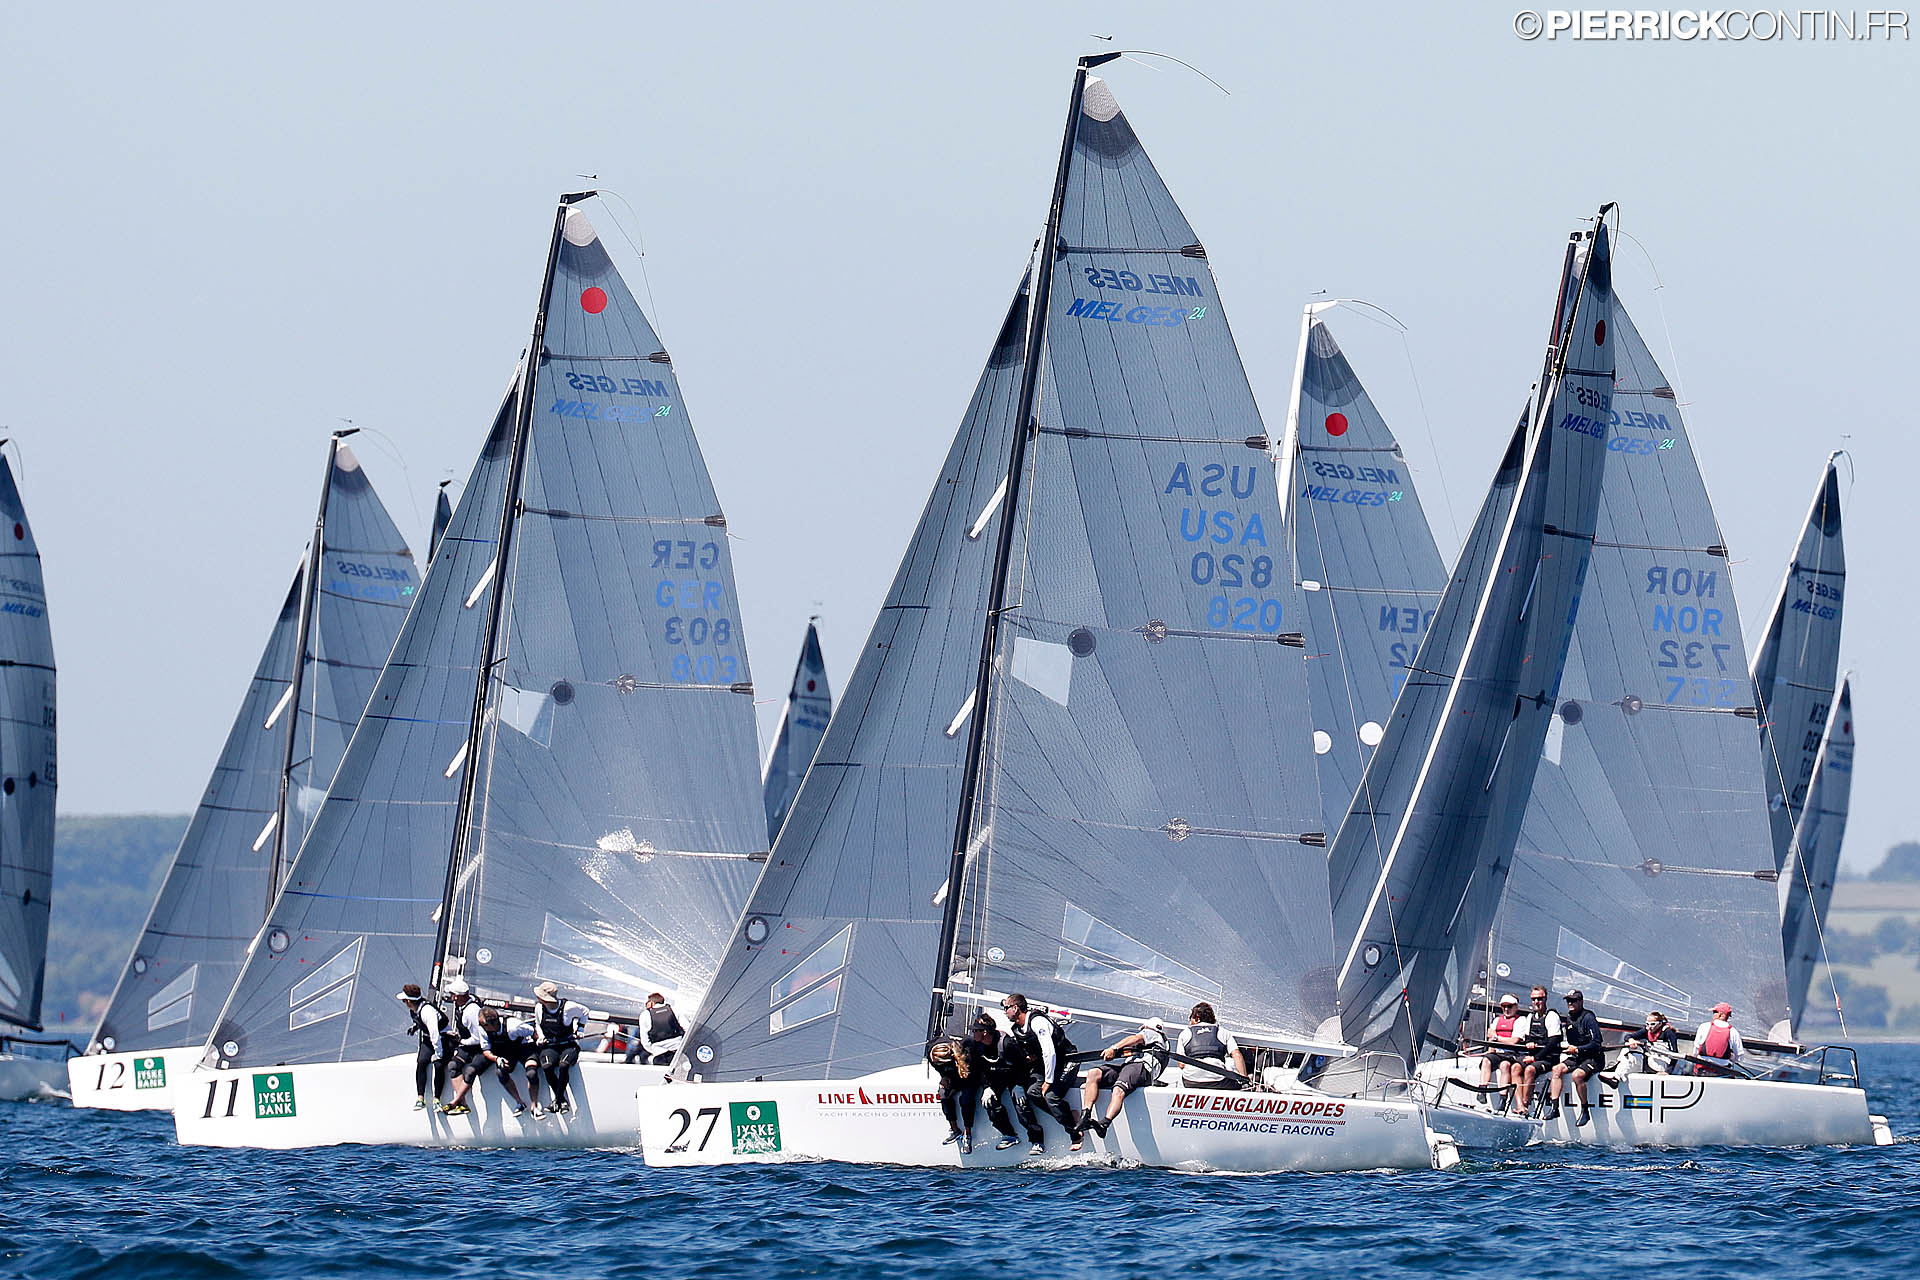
pixel 228 230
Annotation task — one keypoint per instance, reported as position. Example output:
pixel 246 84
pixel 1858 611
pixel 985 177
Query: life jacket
pixel 1717 1041
pixel 1538 1025
pixel 554 1027
pixel 1205 1043
pixel 1062 1047
pixel 418 1027
pixel 500 1043
pixel 664 1031
pixel 1503 1025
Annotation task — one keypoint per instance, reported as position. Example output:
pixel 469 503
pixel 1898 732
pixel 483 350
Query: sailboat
pixel 1806 883
pixel 1073 760
pixel 1642 875
pixel 555 779
pixel 1794 672
pixel 803 722
pixel 353 588
pixel 30 1065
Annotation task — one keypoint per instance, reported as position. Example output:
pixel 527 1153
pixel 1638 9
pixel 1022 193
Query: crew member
pixel 962 1068
pixel 1204 1041
pixel 1586 1055
pixel 1008 1071
pixel 1540 1041
pixel 427 1025
pixel 557 1027
pixel 1653 1050
pixel 504 1045
pixel 1134 1063
pixel 660 1033
pixel 1050 1054
pixel 470 1042
pixel 1497 1062
pixel 1718 1043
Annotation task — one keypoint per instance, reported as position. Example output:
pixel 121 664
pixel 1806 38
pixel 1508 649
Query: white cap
pixel 1155 1023
pixel 459 987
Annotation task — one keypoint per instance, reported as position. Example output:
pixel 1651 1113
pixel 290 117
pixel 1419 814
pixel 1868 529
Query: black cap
pixel 1575 995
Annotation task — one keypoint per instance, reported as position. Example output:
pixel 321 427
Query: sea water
pixel 95 1193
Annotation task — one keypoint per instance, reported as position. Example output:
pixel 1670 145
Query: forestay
pixel 803 722
pixel 1363 555
pixel 1149 833
pixel 356 915
pixel 1798 663
pixel 1806 884
pixel 614 832
pixel 28 770
pixel 1641 874
pixel 1422 856
pixel 352 594
pixel 829 975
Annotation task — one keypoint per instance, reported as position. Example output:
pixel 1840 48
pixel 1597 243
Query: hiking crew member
pixel 962 1068
pixel 557 1027
pixel 1719 1042
pixel 1008 1071
pixel 660 1034
pixel 1644 1051
pixel 428 1026
pixel 1205 1041
pixel 1586 1055
pixel 501 1047
pixel 1497 1062
pixel 1540 1034
pixel 1141 1057
pixel 1050 1056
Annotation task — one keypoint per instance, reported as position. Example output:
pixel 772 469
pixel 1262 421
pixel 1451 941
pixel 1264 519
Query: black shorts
pixel 1497 1059
pixel 1137 1074
pixel 557 1055
pixel 1588 1060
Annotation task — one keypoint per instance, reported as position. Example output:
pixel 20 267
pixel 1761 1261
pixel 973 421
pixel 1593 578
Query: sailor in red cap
pixel 1717 1044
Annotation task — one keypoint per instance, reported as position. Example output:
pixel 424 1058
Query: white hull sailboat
pixel 1636 1109
pixel 555 778
pixel 142 1081
pixel 334 1103
pixel 30 1064
pixel 893 1117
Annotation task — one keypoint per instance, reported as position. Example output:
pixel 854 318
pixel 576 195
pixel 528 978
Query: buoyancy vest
pixel 1062 1047
pixel 554 1027
pixel 1205 1043
pixel 1539 1030
pixel 1717 1041
pixel 418 1027
pixel 1504 1024
pixel 663 1029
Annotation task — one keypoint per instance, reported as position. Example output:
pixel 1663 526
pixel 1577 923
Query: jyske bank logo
pixel 150 1073
pixel 273 1095
pixel 756 1127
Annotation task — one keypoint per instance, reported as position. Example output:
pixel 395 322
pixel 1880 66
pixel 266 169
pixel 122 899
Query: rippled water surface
pixel 87 1193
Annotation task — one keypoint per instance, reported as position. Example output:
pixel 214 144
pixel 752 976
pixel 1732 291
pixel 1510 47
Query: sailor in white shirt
pixel 557 1027
pixel 1205 1041
pixel 1144 1057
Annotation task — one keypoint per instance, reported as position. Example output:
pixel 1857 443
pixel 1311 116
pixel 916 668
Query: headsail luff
pixel 1641 875
pixel 27 761
pixel 1363 555
pixel 1139 857
pixel 354 588
pixel 1806 883
pixel 803 722
pixel 1798 662
pixel 829 974
pixel 1421 858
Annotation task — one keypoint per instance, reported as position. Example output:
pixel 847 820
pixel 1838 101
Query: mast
pixel 1003 549
pixel 516 467
pixel 309 596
